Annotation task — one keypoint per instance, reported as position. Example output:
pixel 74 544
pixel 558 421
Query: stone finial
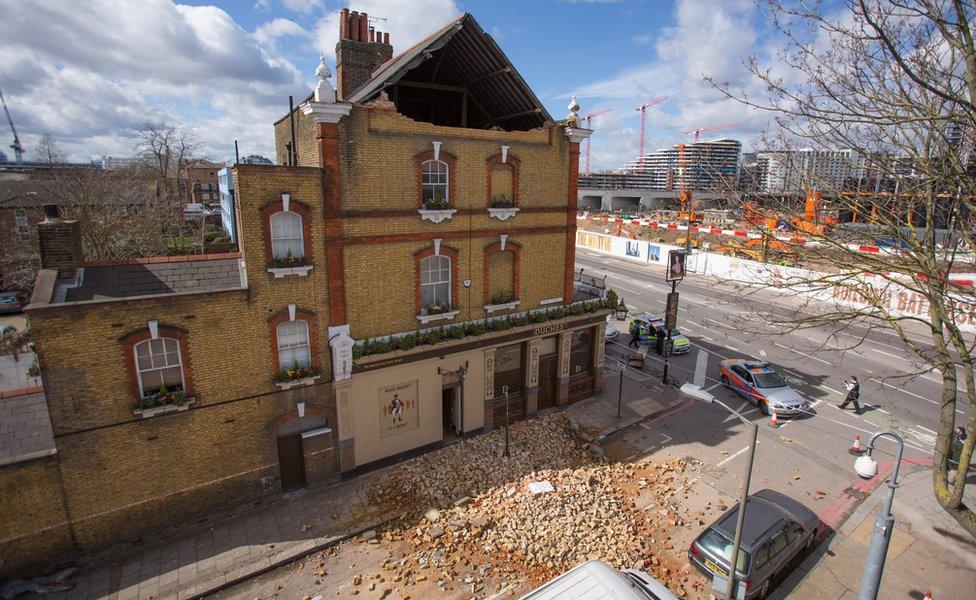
pixel 572 119
pixel 324 91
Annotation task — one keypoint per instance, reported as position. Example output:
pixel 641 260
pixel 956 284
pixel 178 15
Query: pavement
pixel 14 379
pixel 929 550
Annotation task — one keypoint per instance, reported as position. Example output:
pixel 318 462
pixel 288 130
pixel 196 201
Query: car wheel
pixel 813 539
pixel 725 381
pixel 763 407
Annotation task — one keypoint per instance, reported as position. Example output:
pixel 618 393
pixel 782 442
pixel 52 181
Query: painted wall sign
pixel 398 409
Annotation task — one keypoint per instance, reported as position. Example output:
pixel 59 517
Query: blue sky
pixel 90 76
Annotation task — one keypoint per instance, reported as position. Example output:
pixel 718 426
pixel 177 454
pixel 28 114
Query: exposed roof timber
pixel 466 53
pixel 488 76
pixel 431 86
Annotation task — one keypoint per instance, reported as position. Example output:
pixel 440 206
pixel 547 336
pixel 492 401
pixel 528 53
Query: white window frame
pixel 428 176
pixel 139 371
pixel 300 238
pixel 428 260
pixel 21 225
pixel 307 344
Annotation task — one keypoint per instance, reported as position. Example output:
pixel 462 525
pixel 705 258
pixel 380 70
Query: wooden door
pixel 548 381
pixel 291 462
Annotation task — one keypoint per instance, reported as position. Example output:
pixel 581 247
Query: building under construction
pixel 708 166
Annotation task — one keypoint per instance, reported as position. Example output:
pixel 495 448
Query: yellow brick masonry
pixel 33 522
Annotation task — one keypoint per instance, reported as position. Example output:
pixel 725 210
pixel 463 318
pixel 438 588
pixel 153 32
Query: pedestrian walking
pixel 634 334
pixel 955 452
pixel 853 394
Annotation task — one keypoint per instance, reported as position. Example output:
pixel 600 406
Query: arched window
pixel 294 350
pixel 287 238
pixel 435 282
pixel 435 182
pixel 159 365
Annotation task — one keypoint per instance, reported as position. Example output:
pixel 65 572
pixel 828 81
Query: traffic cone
pixel 928 595
pixel 772 419
pixel 856 448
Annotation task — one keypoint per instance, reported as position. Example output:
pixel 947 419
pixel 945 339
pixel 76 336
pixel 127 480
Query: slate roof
pixel 25 428
pixel 153 279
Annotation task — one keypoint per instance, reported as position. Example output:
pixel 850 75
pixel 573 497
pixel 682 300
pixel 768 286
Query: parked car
pixel 758 382
pixel 776 529
pixel 611 333
pixel 7 330
pixel 681 344
pixel 595 579
pixel 10 302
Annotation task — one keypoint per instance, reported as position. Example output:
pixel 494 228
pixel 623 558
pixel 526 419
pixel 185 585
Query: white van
pixel 595 580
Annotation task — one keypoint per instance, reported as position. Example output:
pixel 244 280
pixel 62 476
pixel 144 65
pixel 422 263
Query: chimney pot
pixel 363 25
pixel 372 34
pixel 344 24
pixel 386 38
pixel 354 26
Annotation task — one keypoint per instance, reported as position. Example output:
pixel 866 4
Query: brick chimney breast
pixel 59 242
pixel 360 51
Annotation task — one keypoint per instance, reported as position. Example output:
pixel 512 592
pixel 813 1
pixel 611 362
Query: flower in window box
pixel 502 298
pixel 502 201
pixel 436 308
pixel 296 373
pixel 437 202
pixel 162 397
pixel 289 260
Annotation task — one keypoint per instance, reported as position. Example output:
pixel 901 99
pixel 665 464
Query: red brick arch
pixel 313 334
pixel 444 157
pixel 516 165
pixel 495 248
pixel 165 331
pixel 310 409
pixel 429 251
pixel 295 206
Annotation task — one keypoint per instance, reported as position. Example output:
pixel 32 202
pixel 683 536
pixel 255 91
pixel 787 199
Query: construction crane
pixel 586 124
pixel 17 146
pixel 642 109
pixel 701 130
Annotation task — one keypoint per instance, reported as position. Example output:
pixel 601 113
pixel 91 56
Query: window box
pixel 502 214
pixel 436 215
pixel 289 378
pixel 501 306
pixel 441 316
pixel 280 272
pixel 287 385
pixel 161 409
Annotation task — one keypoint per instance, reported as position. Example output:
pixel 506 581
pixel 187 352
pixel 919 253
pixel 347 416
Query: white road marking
pixel 904 391
pixel 862 430
pixel 926 429
pixel 890 354
pixel 803 353
pixel 705 337
pixel 731 456
pixel 794 374
pixel 713 386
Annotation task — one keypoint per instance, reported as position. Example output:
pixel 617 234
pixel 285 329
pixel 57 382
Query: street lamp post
pixel 867 467
pixel 696 392
pixel 505 391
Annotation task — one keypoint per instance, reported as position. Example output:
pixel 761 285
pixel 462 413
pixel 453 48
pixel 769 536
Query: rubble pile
pixel 547 508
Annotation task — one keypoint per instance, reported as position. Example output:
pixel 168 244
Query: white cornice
pixel 326 112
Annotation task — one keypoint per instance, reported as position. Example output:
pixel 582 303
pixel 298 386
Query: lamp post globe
pixel 865 466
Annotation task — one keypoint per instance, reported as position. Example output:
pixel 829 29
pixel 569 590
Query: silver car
pixel 776 529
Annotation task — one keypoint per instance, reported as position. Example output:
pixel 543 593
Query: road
pixel 726 322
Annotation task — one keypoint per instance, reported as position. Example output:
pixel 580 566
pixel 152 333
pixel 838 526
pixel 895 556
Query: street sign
pixel 621 364
pixel 671 311
pixel 668 348
pixel 676 266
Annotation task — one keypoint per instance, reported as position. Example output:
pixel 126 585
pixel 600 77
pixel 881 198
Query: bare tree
pixel 894 81
pixel 48 151
pixel 166 149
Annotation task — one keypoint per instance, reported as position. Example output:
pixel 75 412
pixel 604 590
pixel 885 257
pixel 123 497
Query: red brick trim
pixel 151 260
pixel 310 409
pixel 391 238
pixel 165 331
pixel 514 163
pixel 444 157
pixel 495 248
pixel 313 334
pixel 34 389
pixel 362 214
pixel 276 206
pixel 571 202
pixel 327 137
pixel 429 251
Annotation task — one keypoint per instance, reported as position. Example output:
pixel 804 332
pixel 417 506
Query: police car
pixel 650 325
pixel 758 382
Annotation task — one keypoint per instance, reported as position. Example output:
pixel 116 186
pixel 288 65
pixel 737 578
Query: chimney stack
pixel 60 242
pixel 360 51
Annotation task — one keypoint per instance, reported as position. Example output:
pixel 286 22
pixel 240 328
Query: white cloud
pixel 91 77
pixel 642 40
pixel 302 6
pixel 407 21
pixel 268 33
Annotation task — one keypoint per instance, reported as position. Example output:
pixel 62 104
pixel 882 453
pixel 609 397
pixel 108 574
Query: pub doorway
pixel 291 462
pixel 548 372
pixel 451 411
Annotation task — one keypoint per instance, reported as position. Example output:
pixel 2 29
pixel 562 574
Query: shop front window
pixel 508 370
pixel 581 352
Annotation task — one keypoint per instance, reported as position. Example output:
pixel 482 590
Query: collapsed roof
pixel 457 76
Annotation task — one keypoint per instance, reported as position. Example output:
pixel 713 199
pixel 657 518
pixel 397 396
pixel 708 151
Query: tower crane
pixel 701 130
pixel 586 123
pixel 17 146
pixel 642 109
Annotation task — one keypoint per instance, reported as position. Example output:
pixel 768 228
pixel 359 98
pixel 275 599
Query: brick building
pixel 201 182
pixel 406 270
